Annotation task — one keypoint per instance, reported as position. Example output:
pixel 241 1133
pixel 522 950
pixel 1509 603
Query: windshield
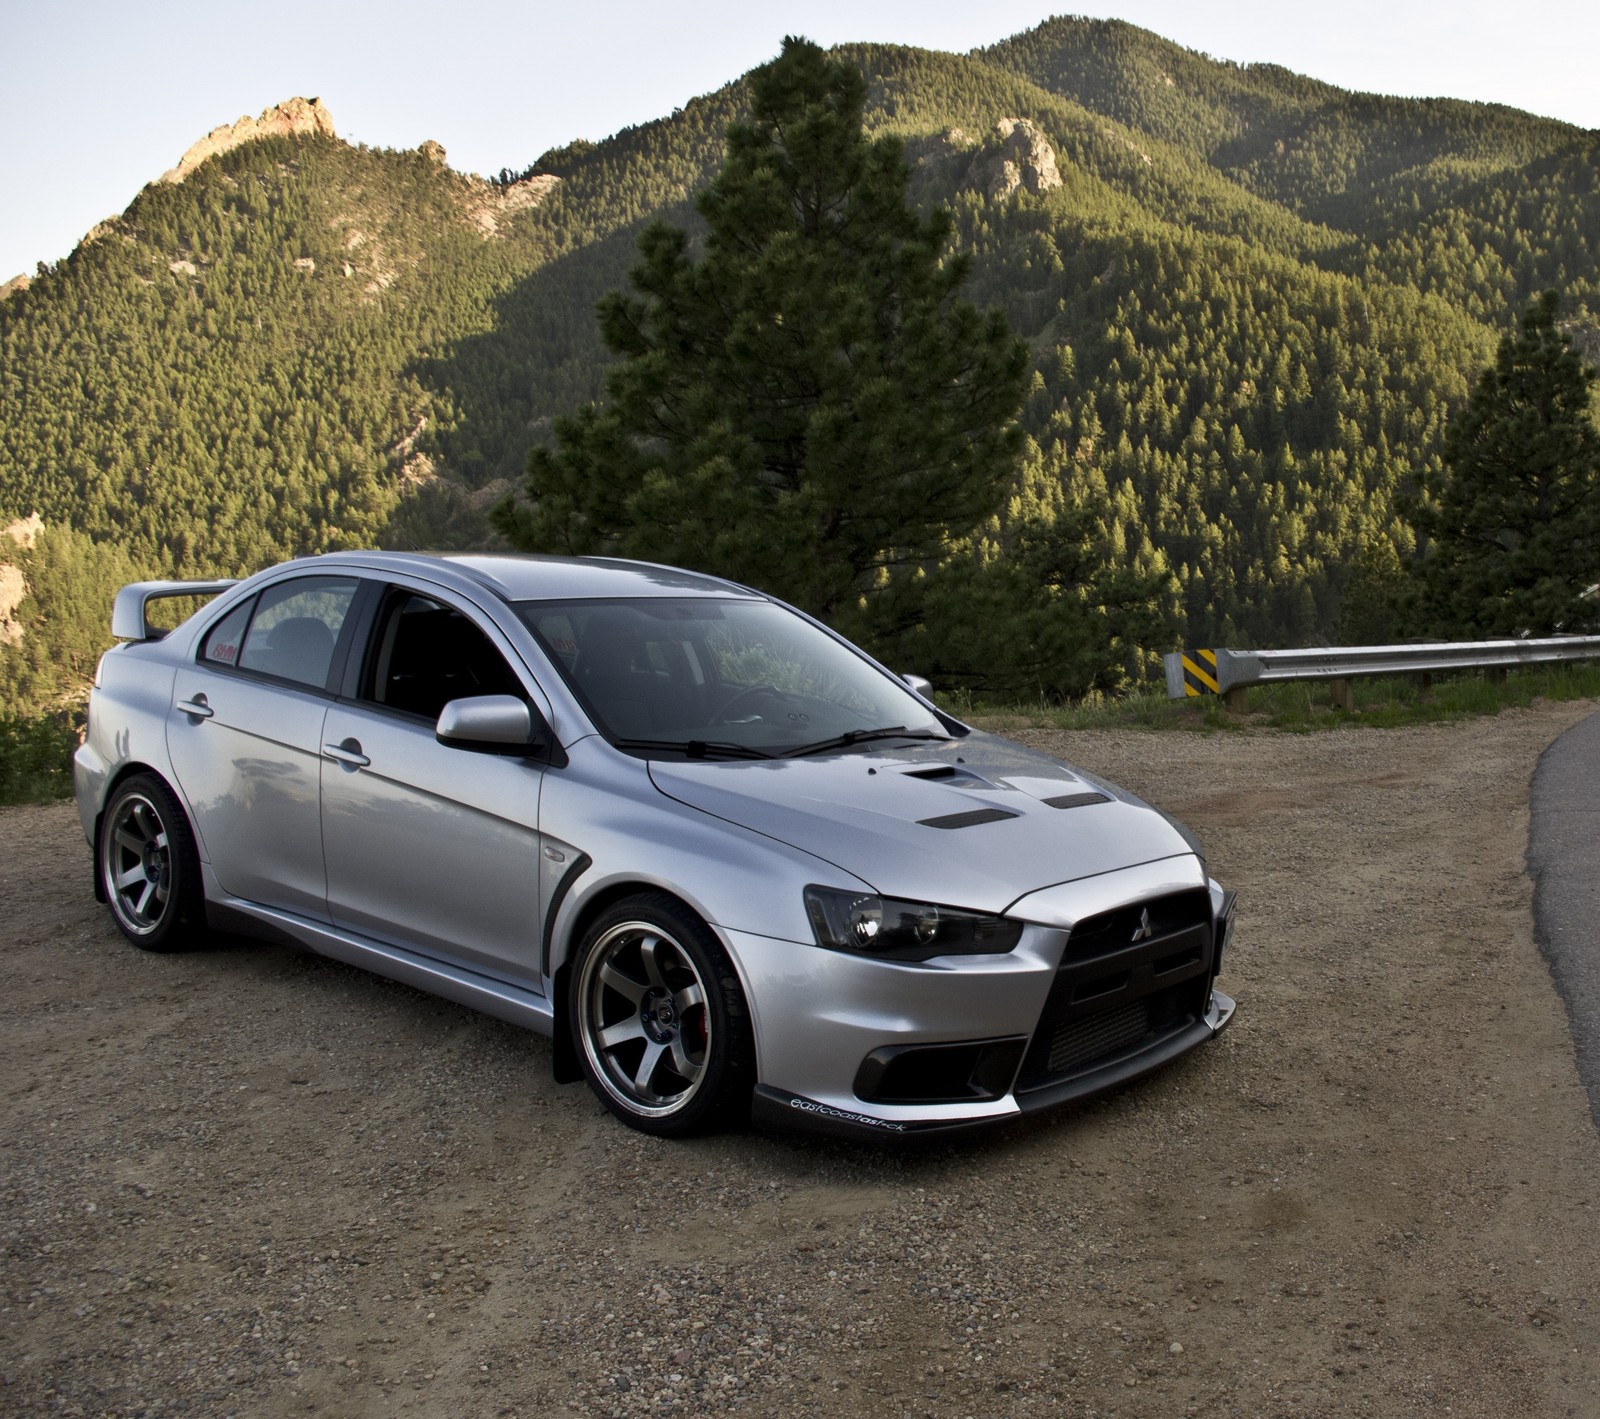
pixel 713 677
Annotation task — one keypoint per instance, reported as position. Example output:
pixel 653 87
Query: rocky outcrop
pixel 488 207
pixel 529 192
pixel 936 147
pixel 298 118
pixel 15 284
pixel 12 589
pixel 24 532
pixel 1585 340
pixel 1023 159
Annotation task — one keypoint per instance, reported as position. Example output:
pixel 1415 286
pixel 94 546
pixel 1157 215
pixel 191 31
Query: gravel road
pixel 249 1181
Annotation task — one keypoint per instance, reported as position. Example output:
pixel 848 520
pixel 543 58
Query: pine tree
pixel 803 401
pixel 1515 519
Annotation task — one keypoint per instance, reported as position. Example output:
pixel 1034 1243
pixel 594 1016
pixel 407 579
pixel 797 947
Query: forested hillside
pixel 1253 301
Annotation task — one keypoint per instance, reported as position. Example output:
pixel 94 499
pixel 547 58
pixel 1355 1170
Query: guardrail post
pixel 1344 695
pixel 1237 699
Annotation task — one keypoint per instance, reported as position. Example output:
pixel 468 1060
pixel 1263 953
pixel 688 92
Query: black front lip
pixel 779 1109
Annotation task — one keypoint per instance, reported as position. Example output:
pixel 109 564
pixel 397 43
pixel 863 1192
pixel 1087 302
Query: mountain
pixel 1254 301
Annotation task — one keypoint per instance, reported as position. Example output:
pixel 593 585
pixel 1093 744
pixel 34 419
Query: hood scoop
pixel 952 776
pixel 958 776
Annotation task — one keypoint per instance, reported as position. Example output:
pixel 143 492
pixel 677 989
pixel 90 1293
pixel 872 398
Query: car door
pixel 431 847
pixel 244 735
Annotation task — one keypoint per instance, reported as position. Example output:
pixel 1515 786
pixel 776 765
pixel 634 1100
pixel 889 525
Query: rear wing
pixel 128 619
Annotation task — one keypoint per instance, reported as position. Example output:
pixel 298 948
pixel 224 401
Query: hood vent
pixel 967 820
pixel 951 776
pixel 1075 800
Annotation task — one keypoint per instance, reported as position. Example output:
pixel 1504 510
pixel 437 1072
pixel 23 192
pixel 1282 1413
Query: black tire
pixel 660 1020
pixel 149 867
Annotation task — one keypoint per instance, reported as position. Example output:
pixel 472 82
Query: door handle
pixel 348 753
pixel 197 707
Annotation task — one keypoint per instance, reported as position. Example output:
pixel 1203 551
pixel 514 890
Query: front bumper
pixel 779 1109
pixel 1117 981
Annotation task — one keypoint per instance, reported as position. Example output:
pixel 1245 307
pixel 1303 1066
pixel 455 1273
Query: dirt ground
pixel 250 1181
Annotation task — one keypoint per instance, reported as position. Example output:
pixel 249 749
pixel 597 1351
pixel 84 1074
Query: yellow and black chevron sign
pixel 1200 672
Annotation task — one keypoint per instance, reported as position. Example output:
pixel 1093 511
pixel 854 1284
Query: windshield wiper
pixel 861 736
pixel 695 748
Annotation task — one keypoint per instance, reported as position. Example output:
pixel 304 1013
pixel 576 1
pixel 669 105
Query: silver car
pixel 726 860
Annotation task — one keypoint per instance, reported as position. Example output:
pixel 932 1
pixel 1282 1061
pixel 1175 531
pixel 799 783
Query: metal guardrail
pixel 1231 672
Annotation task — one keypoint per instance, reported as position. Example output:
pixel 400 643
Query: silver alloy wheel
pixel 136 865
pixel 644 1019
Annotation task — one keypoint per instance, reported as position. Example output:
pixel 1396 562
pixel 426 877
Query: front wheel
pixel 660 1019
pixel 149 866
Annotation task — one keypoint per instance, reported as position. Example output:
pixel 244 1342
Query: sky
pixel 100 97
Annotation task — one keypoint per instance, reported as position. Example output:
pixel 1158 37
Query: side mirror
pixel 492 724
pixel 919 685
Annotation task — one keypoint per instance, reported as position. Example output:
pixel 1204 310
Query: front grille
pixel 1113 995
pixel 1112 930
pixel 1117 1030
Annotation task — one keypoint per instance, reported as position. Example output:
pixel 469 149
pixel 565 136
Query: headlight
pixel 870 925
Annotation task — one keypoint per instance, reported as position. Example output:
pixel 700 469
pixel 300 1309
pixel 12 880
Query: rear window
pixel 289 631
pixel 222 642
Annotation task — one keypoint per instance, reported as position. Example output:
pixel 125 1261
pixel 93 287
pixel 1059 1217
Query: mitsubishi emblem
pixel 1144 931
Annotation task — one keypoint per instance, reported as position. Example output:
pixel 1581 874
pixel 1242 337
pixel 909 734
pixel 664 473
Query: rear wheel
pixel 660 1019
pixel 149 866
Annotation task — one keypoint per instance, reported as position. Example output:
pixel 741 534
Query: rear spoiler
pixel 128 622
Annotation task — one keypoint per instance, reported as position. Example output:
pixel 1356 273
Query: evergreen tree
pixel 1373 609
pixel 803 401
pixel 1045 616
pixel 1515 520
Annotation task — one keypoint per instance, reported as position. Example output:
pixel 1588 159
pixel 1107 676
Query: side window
pixel 222 640
pixel 429 654
pixel 295 629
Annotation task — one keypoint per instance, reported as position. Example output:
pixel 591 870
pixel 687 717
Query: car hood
pixel 976 822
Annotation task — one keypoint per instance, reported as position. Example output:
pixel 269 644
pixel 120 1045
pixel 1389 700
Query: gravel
pixel 249 1181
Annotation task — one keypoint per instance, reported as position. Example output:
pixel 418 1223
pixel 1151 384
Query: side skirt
pixel 501 999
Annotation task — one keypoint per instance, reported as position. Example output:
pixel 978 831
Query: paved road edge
pixel 1564 862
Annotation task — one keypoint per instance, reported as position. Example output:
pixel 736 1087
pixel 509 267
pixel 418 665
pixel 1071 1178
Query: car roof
pixel 532 577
